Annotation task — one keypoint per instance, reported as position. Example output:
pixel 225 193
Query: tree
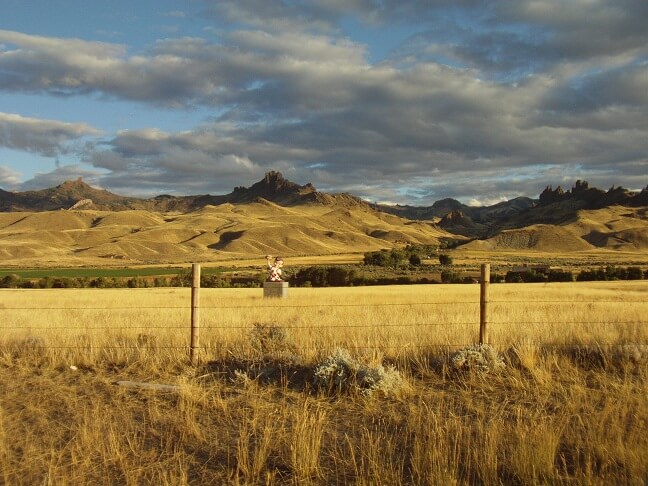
pixel 385 258
pixel 10 281
pixel 445 259
pixel 634 273
pixel 448 276
pixel 415 260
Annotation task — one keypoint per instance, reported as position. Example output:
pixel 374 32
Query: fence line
pixel 324 326
pixel 485 304
pixel 311 306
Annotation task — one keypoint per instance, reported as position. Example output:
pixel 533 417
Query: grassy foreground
pixel 568 408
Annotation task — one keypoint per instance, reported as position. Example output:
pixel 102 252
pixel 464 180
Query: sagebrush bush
pixel 340 372
pixel 478 357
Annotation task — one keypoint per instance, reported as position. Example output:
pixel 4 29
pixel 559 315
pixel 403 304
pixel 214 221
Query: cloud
pixel 318 16
pixel 44 137
pixel 177 72
pixel 60 175
pixel 144 162
pixel 8 178
pixel 484 100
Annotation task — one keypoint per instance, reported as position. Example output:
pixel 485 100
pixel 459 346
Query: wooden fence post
pixel 195 312
pixel 483 303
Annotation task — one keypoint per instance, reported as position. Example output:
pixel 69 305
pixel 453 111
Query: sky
pixel 394 101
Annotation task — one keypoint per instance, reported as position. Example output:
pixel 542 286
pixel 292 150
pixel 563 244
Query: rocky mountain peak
pixel 274 178
pixel 273 187
pixel 454 217
pixel 275 182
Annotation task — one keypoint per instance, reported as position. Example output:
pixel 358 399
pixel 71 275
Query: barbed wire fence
pixel 194 348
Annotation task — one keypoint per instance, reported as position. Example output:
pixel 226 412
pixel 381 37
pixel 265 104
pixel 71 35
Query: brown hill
pixel 63 196
pixel 611 228
pixel 458 223
pixel 78 194
pixel 553 207
pixel 226 231
pixel 275 215
pixel 478 214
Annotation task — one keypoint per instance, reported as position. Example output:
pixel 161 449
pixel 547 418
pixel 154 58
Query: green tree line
pixel 328 276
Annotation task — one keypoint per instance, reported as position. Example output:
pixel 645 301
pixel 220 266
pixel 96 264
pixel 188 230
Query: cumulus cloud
pixel 8 178
pixel 487 100
pixel 44 137
pixel 143 162
pixel 176 72
pixel 60 175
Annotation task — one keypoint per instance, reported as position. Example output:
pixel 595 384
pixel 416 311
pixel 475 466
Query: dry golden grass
pixel 570 407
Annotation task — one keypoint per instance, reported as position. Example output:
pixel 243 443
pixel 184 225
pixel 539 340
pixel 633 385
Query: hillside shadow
pixel 225 239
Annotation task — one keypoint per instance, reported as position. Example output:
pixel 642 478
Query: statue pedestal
pixel 275 289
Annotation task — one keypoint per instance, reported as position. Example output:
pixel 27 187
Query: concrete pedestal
pixel 275 289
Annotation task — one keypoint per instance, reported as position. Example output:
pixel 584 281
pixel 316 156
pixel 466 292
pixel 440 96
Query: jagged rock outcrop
pixel 82 204
pixel 454 218
pixel 276 188
pixel 583 196
pixel 459 223
pixel 550 195
pixel 273 187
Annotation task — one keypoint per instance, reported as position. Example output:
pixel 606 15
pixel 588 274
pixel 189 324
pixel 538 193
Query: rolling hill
pixel 78 194
pixel 226 231
pixel 76 224
pixel 612 228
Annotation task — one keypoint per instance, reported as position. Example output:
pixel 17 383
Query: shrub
pixel 415 260
pixel 340 372
pixel 634 273
pixel 445 259
pixel 387 258
pixel 10 281
pixel 528 276
pixel 448 276
pixel 478 357
pixel 378 258
pixel 612 272
pixel 321 276
pixel 560 276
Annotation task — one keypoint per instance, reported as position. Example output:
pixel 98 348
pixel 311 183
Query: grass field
pixel 569 407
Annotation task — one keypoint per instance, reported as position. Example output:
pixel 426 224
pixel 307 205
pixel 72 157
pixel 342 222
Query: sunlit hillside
pixel 613 228
pixel 212 233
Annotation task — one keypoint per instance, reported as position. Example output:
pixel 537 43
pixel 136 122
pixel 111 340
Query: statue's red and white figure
pixel 274 268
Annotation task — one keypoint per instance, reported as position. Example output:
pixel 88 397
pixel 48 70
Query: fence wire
pixel 278 306
pixel 337 305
